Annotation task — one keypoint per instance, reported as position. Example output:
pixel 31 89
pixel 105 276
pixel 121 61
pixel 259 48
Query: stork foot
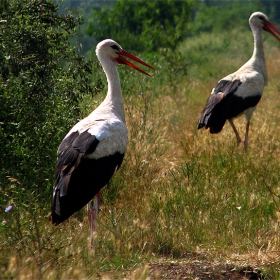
pixel 238 141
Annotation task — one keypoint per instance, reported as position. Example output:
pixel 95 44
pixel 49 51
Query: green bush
pixel 142 24
pixel 223 16
pixel 42 79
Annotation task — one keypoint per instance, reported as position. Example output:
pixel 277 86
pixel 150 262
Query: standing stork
pixel 94 148
pixel 240 91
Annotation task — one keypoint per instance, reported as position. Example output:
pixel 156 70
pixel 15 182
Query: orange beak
pixel 269 27
pixel 122 60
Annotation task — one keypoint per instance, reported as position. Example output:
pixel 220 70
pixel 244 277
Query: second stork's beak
pixel 122 60
pixel 269 27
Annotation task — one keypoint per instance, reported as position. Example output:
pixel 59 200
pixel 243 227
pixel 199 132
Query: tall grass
pixel 179 190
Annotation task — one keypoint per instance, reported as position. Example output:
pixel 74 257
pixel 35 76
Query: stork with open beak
pixel 95 147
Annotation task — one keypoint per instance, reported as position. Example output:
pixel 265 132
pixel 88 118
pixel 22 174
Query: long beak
pixel 122 60
pixel 269 27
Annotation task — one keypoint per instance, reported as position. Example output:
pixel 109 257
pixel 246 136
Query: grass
pixel 179 190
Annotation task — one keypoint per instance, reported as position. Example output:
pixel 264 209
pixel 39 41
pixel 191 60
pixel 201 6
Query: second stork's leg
pixel 92 211
pixel 247 135
pixel 235 131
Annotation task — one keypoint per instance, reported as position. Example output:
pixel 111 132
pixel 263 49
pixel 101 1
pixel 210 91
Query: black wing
pixel 70 152
pixel 227 87
pixel 78 178
pixel 210 116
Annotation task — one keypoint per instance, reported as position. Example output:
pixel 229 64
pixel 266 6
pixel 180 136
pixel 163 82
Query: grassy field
pixel 180 192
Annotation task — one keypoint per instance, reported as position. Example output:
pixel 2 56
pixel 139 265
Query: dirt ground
pixel 196 267
pixel 201 271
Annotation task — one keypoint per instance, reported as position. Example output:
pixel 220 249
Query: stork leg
pixel 92 211
pixel 246 140
pixel 235 131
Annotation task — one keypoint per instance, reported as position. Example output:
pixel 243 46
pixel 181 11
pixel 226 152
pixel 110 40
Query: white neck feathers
pixel 114 99
pixel 258 59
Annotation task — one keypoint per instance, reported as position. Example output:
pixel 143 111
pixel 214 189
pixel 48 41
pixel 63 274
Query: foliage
pixel 142 24
pixel 42 81
pixel 219 16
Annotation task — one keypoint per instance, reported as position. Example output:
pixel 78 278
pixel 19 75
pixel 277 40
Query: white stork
pixel 240 91
pixel 94 148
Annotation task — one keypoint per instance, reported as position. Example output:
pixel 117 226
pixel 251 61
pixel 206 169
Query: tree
pixel 217 16
pixel 142 24
pixel 42 79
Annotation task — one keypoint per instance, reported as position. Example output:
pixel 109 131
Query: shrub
pixel 142 24
pixel 42 79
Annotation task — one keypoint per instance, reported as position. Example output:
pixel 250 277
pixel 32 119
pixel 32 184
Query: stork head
pixel 112 50
pixel 260 20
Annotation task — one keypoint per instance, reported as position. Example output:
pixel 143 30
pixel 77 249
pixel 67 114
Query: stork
pixel 94 148
pixel 240 92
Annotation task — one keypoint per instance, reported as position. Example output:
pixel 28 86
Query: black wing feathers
pixel 227 87
pixel 78 178
pixel 213 115
pixel 85 182
pixel 73 146
pixel 85 143
pixel 70 152
pixel 67 141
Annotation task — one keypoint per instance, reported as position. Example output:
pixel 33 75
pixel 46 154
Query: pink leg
pixel 92 211
pixel 235 131
pixel 247 135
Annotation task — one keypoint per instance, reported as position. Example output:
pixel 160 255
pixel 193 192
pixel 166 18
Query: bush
pixel 142 24
pixel 223 16
pixel 42 79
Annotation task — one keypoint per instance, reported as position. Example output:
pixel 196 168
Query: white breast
pixel 252 84
pixel 113 138
pixel 112 134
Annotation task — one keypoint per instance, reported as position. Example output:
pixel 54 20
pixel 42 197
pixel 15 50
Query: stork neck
pixel 258 58
pixel 114 95
pixel 258 44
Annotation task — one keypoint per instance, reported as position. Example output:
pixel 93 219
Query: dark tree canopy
pixel 142 25
pixel 42 78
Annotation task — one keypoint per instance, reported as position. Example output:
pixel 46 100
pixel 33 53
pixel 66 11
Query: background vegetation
pixel 179 190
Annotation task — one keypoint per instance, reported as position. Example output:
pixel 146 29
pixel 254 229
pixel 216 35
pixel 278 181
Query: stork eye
pixel 115 47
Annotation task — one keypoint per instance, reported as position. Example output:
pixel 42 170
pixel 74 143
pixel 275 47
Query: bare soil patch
pixel 197 267
pixel 198 270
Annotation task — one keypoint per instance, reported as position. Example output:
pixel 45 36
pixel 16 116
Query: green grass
pixel 179 190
